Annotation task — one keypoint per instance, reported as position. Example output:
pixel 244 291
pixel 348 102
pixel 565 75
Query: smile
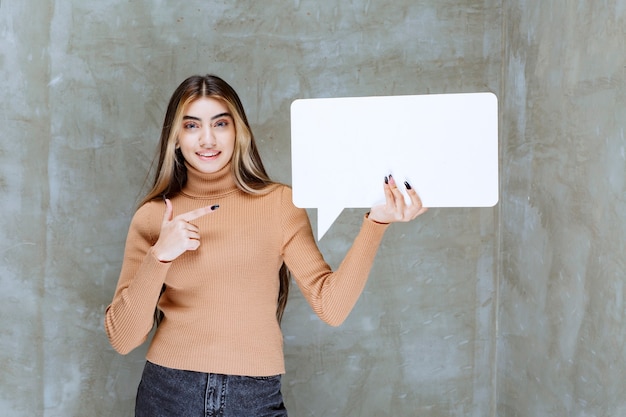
pixel 211 154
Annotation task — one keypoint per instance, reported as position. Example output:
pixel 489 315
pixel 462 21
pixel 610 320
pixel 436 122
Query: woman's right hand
pixel 178 234
pixel 395 208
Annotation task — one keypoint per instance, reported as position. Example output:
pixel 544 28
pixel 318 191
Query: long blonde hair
pixel 171 173
pixel 247 167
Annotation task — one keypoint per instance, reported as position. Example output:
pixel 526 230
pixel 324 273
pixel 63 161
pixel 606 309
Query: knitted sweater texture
pixel 220 301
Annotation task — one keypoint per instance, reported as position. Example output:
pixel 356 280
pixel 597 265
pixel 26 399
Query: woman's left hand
pixel 395 208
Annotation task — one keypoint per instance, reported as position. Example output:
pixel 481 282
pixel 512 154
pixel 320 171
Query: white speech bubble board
pixel 444 145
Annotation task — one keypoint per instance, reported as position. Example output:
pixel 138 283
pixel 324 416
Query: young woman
pixel 209 249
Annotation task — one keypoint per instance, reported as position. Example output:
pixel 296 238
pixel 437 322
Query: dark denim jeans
pixel 166 392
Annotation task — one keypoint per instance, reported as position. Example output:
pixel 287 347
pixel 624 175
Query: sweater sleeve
pixel 332 295
pixel 130 316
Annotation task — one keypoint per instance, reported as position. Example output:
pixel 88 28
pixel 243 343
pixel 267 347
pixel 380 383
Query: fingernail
pixel 407 185
pixel 386 180
pixel 215 207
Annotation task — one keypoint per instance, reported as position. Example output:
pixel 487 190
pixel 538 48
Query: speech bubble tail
pixel 326 216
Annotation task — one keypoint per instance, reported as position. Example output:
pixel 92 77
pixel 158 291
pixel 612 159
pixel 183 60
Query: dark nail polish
pixel 386 180
pixel 407 185
pixel 215 207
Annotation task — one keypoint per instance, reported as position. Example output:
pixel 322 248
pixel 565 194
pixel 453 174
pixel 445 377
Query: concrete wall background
pixel 561 331
pixel 86 85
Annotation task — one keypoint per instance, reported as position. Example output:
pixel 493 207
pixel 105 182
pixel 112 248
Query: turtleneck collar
pixel 215 184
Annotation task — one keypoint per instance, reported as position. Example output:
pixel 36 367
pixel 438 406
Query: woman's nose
pixel 207 138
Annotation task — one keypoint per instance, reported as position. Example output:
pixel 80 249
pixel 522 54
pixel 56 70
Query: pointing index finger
pixel 197 213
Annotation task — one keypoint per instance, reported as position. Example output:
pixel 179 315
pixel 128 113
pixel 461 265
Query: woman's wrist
pixel 369 217
pixel 158 256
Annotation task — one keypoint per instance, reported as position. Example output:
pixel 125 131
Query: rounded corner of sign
pixel 492 96
pixel 295 104
pixel 297 202
pixel 493 202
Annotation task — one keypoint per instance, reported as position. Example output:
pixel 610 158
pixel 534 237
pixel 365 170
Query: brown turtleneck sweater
pixel 220 300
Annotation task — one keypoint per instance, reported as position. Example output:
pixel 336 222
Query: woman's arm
pixel 332 295
pixel 130 316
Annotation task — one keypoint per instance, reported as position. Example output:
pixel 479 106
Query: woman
pixel 209 248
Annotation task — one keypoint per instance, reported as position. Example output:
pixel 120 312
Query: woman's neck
pixel 200 184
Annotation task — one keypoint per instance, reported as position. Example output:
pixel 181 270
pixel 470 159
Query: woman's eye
pixel 190 126
pixel 221 123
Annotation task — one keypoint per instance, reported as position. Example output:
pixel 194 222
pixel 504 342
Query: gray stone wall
pixel 515 310
pixel 561 327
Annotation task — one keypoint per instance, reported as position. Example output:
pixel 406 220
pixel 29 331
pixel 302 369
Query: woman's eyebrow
pixel 217 116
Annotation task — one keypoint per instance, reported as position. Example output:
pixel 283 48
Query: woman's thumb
pixel 169 211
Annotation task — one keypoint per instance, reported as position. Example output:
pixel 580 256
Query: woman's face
pixel 207 135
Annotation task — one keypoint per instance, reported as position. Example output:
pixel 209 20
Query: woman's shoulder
pixel 282 192
pixel 150 207
pixel 282 188
pixel 275 190
pixel 149 214
pixel 279 196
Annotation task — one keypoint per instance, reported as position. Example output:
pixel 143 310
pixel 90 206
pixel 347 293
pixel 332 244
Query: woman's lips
pixel 208 156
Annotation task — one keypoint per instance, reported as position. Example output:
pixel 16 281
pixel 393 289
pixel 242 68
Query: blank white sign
pixel 444 145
